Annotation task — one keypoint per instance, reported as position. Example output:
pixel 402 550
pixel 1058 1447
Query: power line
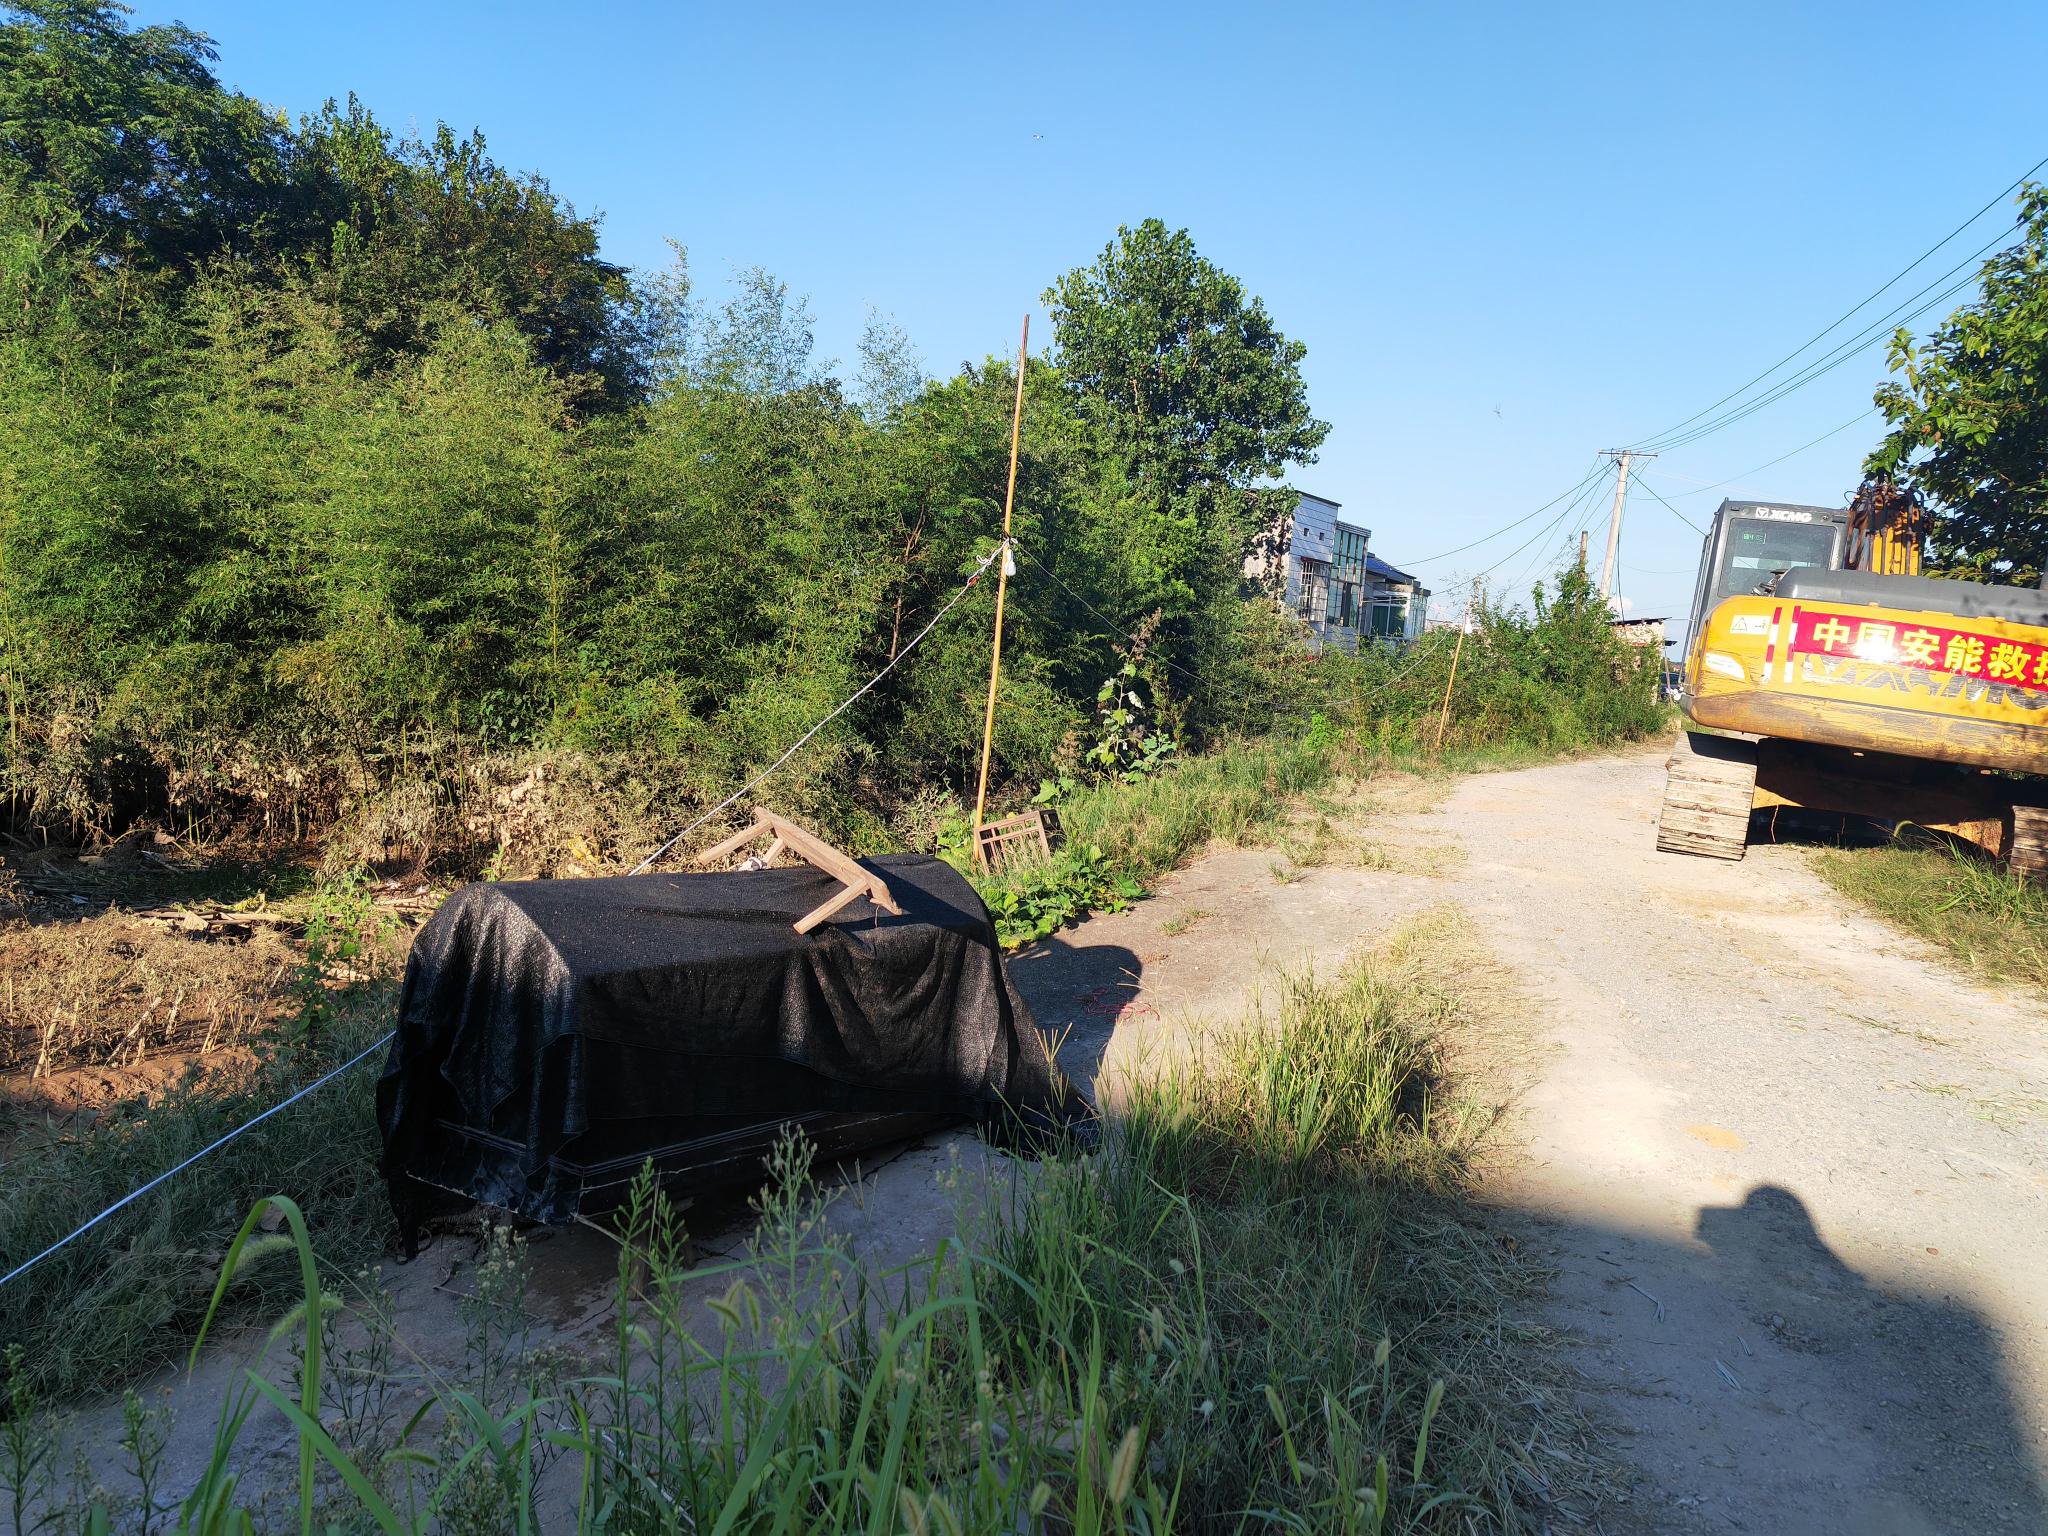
pixel 1677 436
pixel 1168 662
pixel 1115 627
pixel 1588 507
pixel 1841 353
pixel 1584 506
pixel 1695 527
pixel 1845 317
pixel 1590 474
pixel 1682 570
pixel 1587 499
pixel 1781 458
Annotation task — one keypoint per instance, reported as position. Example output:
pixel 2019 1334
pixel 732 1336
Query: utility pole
pixel 1465 623
pixel 1623 457
pixel 995 659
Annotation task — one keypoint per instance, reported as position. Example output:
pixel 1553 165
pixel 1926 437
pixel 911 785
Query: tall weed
pixel 1995 922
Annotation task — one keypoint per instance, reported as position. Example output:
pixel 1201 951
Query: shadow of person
pixel 1898 1363
pixel 1081 994
pixel 1772 1232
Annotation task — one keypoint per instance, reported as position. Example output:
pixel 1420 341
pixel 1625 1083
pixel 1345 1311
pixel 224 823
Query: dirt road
pixel 1791 1166
pixel 1819 1148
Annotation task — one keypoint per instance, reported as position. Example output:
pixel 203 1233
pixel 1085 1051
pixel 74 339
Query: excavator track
pixel 2028 854
pixel 1709 785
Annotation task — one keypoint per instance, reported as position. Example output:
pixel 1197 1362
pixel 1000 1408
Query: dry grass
pixel 1337 829
pixel 111 990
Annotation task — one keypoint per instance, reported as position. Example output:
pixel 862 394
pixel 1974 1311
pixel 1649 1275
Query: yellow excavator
pixel 1829 674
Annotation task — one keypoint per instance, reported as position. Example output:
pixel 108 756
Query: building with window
pixel 1397 604
pixel 1338 588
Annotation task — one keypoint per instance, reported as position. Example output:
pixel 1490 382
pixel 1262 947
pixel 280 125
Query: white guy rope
pixel 136 1194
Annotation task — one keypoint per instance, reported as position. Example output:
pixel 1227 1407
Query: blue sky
pixel 1510 236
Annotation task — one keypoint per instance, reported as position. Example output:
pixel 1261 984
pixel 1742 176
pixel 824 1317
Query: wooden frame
pixel 998 842
pixel 819 854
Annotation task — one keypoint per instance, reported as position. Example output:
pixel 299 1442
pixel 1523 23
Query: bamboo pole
pixel 1457 650
pixel 995 660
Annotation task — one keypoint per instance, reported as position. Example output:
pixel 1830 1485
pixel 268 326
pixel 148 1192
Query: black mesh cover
pixel 555 1034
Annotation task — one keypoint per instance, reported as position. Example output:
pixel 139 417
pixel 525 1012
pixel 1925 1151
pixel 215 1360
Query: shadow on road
pixel 1774 1388
pixel 1080 993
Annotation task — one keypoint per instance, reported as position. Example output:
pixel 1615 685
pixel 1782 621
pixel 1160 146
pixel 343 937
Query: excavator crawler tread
pixel 1709 785
pixel 2028 854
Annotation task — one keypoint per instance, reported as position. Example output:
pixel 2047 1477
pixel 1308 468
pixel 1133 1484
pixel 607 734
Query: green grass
pixel 1122 835
pixel 1148 826
pixel 121 1299
pixel 1995 923
pixel 1260 1304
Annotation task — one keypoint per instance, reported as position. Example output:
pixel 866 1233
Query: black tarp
pixel 555 1034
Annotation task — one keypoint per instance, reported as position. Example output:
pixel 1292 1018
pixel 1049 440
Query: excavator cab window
pixel 1751 544
pixel 1755 552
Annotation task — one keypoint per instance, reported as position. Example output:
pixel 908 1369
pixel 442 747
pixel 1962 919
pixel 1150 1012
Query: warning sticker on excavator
pixel 1924 647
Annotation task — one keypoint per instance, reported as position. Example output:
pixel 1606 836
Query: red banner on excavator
pixel 1926 647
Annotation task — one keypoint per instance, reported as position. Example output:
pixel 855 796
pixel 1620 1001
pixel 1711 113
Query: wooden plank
pixel 2029 852
pixel 828 908
pixel 736 842
pixel 819 854
pixel 1013 835
pixel 814 850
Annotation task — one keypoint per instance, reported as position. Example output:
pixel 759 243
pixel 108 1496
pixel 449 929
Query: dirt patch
pixel 127 969
pixel 71 1097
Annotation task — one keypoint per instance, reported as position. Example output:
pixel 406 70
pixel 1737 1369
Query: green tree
pixel 390 228
pixel 1969 415
pixel 450 549
pixel 120 140
pixel 1200 382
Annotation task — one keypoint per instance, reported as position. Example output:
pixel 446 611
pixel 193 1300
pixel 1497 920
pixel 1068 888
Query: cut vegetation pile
pixel 1260 1303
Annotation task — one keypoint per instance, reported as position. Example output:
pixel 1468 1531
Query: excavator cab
pixel 1828 674
pixel 1750 544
